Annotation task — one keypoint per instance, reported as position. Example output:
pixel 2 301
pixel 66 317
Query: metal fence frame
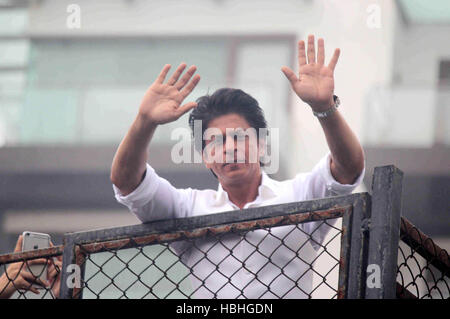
pixel 372 227
pixel 384 229
pixel 425 247
pixel 27 256
pixel 350 208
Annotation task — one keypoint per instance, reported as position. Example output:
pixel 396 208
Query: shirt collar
pixel 267 189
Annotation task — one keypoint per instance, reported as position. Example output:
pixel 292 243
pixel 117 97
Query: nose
pixel 230 149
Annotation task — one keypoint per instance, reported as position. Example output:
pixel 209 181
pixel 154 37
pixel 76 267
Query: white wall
pixel 366 52
pixel 412 111
pixel 366 60
pixel 13 60
pixel 418 50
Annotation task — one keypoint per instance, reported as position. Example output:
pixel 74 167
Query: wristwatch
pixel 331 110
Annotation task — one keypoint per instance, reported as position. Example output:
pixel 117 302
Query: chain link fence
pixel 423 267
pixel 31 274
pixel 353 246
pixel 267 258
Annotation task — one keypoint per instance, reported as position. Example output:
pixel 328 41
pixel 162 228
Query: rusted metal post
pixel 384 233
pixel 354 251
pixel 66 291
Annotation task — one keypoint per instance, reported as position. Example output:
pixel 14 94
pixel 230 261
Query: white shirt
pixel 233 267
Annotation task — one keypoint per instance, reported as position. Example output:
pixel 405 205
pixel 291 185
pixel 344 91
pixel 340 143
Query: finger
pixel 176 75
pixel 33 279
pixel 52 273
pixel 50 265
pixel 19 244
pixel 50 270
pixel 13 271
pixel 184 80
pixel 334 59
pixel 29 276
pixel 56 260
pixel 289 74
pixel 301 53
pixel 186 107
pixel 21 283
pixel 34 290
pixel 320 52
pixel 54 267
pixel 311 50
pixel 53 262
pixel 35 272
pixel 188 89
pixel 39 261
pixel 162 76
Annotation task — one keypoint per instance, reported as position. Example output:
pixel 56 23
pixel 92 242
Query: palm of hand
pixel 315 81
pixel 315 84
pixel 161 103
pixel 165 101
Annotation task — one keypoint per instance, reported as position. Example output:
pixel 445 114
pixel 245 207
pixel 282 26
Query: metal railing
pixel 13 283
pixel 277 251
pixel 264 253
pixel 268 257
pixel 423 267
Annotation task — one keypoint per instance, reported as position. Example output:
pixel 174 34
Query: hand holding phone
pixel 32 241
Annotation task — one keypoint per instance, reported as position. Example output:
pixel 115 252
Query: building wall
pixel 418 51
pixel 377 50
pixel 366 52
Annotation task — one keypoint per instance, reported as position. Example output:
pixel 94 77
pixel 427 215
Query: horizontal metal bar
pixel 158 238
pixel 236 216
pixel 424 246
pixel 32 254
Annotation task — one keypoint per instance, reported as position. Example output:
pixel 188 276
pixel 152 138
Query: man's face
pixel 232 149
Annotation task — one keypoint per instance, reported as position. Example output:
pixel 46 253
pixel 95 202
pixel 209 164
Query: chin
pixel 235 170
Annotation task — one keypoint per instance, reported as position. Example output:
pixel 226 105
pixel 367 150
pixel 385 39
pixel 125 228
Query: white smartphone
pixel 32 241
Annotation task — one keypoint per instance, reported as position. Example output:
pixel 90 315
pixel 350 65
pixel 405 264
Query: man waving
pixel 233 269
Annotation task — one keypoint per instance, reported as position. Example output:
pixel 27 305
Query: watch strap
pixel 331 110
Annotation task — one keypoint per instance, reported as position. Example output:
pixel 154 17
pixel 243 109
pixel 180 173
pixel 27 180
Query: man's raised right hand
pixel 161 102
